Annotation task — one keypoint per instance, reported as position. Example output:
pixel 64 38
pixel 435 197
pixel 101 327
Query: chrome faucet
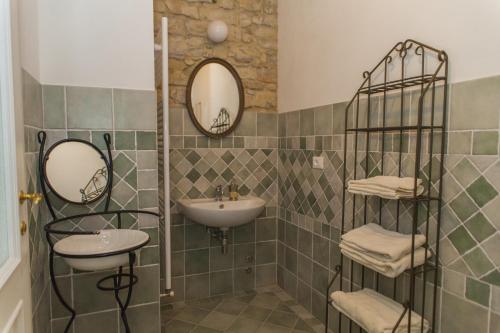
pixel 219 193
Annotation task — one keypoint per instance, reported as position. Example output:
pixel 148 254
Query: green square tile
pixel 463 206
pixel 465 172
pixel 89 107
pixel 146 140
pixel 479 227
pixel 221 283
pixel 193 175
pixel 124 140
pixel 478 262
pixel 493 278
pixel 481 191
pixel 475 104
pixel 247 125
pixel 134 109
pixel 459 142
pixel 201 142
pixel 307 122
pixel 477 291
pixel 53 107
pixel 98 139
pixel 148 199
pixel 197 261
pixel 267 124
pixel 461 239
pixel 122 165
pixel 239 142
pixel 190 142
pixel 485 143
pixel 81 135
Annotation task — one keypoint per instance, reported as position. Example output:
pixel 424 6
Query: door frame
pixel 9 138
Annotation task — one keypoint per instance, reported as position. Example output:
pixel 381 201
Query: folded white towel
pixel 383 192
pixel 374 312
pixel 390 269
pixel 389 182
pixel 380 243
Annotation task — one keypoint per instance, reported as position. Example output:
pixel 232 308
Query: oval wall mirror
pixel 76 171
pixel 215 98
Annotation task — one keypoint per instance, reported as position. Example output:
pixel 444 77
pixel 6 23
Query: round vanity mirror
pixel 215 98
pixel 76 171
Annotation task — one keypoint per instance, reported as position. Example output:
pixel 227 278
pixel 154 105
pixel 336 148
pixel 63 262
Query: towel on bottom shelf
pixel 390 269
pixel 379 243
pixel 374 312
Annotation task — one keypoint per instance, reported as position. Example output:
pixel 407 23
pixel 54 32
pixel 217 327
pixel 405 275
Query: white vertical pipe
pixel 166 154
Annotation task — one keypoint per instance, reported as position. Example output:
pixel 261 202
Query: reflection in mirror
pixel 215 97
pixel 76 171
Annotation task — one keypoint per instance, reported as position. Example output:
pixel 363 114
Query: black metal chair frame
pixel 120 280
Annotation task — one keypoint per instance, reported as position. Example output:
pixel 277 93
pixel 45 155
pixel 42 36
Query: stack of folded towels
pixel 388 187
pixel 383 251
pixel 376 313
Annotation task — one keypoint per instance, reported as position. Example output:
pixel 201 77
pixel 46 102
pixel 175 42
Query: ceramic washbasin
pixel 119 241
pixel 222 214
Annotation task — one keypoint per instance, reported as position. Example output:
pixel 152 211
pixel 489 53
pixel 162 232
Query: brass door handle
pixel 23 228
pixel 35 198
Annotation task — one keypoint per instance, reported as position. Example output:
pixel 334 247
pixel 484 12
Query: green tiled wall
pixel 198 164
pixel 37 214
pixel 310 202
pixel 130 117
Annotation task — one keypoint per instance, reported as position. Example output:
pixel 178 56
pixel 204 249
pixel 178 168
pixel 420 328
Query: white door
pixel 15 293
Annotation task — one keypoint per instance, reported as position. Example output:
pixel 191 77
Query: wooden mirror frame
pixel 241 93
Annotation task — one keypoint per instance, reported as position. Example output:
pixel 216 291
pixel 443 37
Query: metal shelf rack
pixel 421 74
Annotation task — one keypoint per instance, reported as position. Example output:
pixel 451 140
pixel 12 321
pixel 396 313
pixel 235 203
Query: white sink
pixel 222 214
pixel 106 242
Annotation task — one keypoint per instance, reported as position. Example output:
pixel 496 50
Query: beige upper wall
pixel 251 46
pixel 89 42
pixel 325 45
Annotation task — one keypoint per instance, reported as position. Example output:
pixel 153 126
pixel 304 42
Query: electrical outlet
pixel 318 162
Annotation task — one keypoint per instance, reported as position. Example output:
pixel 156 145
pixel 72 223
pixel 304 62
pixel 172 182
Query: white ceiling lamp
pixel 217 31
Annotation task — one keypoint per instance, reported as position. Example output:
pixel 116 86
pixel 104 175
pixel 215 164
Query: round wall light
pixel 217 31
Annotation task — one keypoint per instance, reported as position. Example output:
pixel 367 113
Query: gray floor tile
pixel 245 325
pixel 218 321
pixel 270 328
pixel 192 314
pixel 231 306
pixel 266 300
pixel 176 326
pixel 283 319
pixel 256 312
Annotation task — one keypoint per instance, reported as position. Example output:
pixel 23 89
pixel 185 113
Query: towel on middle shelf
pixel 388 187
pixel 390 269
pixel 376 313
pixel 373 240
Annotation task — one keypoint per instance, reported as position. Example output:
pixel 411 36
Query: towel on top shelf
pixel 388 187
pixel 376 313
pixel 384 251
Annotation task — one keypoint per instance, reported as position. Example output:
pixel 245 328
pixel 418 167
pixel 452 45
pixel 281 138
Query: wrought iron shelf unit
pixel 402 83
pixel 415 215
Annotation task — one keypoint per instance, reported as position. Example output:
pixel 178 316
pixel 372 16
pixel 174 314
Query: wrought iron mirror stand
pixel 120 280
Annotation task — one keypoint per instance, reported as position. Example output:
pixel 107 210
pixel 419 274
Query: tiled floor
pixel 267 310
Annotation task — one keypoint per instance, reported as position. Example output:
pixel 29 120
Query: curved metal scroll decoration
pixel 118 279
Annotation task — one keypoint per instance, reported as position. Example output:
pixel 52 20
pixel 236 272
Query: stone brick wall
pixel 251 46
